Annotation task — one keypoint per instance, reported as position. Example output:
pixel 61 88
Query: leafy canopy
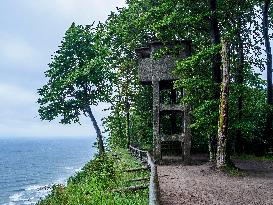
pixel 78 75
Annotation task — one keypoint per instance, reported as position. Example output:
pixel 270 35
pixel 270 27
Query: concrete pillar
pixel 156 128
pixel 187 138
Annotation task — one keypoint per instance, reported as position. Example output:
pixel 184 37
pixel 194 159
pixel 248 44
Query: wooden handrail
pixel 154 185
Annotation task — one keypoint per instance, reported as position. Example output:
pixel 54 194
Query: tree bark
pixel 127 109
pixel 269 131
pixel 212 142
pixel 216 67
pixel 223 109
pixel 215 40
pixel 99 135
pixel 128 123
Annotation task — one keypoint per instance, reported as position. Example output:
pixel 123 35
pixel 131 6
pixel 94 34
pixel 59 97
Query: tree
pixel 216 67
pixel 129 121
pixel 78 78
pixel 237 20
pixel 223 109
pixel 266 8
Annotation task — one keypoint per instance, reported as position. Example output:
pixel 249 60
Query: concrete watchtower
pixel 157 71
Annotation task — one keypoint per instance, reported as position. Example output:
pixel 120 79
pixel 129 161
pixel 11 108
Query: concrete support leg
pixel 156 136
pixel 187 138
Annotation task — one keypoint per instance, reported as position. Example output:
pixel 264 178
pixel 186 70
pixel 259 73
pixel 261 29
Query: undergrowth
pixel 95 184
pixel 253 157
pixel 234 171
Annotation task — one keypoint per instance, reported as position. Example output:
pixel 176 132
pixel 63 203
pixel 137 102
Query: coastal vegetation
pixel 103 181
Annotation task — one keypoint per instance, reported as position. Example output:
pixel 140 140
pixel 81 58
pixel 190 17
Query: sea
pixel 30 166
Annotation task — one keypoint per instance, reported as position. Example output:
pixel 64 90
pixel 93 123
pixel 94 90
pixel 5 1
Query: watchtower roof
pixel 152 68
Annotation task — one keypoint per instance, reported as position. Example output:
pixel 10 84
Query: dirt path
pixel 201 184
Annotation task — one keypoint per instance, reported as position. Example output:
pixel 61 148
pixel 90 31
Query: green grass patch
pixel 94 185
pixel 234 171
pixel 253 157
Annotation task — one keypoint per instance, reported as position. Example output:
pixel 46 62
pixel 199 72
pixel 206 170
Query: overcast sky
pixel 30 32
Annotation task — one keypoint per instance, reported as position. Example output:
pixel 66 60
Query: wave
pixel 74 169
pixel 16 197
pixel 10 203
pixel 30 195
pixel 48 160
pixel 38 188
pixel 69 168
pixel 78 170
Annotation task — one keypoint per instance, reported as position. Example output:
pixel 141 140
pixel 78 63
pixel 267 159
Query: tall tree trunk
pixel 128 123
pixel 99 135
pixel 127 107
pixel 216 67
pixel 223 109
pixel 119 113
pixel 269 131
pixel 215 40
pixel 239 81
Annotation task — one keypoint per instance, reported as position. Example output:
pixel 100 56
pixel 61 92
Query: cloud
pixel 81 11
pixel 12 95
pixel 25 125
pixel 15 50
pixel 44 129
pixel 19 116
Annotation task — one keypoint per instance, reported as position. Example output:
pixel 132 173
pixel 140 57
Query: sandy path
pixel 201 184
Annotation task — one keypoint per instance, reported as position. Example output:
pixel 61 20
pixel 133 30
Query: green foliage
pixel 102 167
pixel 78 76
pixel 100 64
pixel 140 120
pixel 143 21
pixel 233 171
pixel 253 157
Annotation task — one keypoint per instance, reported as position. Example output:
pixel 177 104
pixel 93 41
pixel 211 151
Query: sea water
pixel 30 166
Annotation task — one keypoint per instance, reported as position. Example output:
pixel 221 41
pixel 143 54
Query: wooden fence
pixel 146 157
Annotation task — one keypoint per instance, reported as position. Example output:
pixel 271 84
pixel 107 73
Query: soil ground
pixel 200 183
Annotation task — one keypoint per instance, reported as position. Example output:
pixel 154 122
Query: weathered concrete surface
pixel 158 72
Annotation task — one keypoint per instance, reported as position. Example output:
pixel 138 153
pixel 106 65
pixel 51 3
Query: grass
pixel 253 157
pixel 94 185
pixel 234 171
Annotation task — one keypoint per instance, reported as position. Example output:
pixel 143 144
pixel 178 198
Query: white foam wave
pixel 74 169
pixel 33 187
pixel 77 170
pixel 69 168
pixel 16 197
pixel 32 193
pixel 38 188
pixel 10 203
pixel 60 181
pixel 28 202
